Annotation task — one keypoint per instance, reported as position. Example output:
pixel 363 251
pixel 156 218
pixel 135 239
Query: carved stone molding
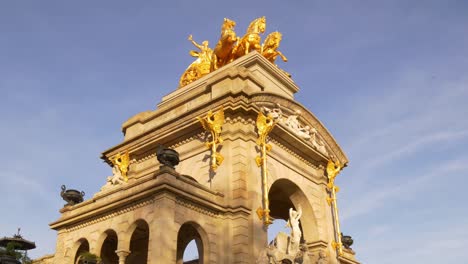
pixel 115 213
pixel 196 207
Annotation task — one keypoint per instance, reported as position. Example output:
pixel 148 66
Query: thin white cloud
pixel 443 137
pixel 379 197
pixel 444 244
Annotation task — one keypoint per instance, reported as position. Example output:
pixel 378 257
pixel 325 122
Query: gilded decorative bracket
pixel 122 161
pixel 213 123
pixel 332 171
pixel 264 125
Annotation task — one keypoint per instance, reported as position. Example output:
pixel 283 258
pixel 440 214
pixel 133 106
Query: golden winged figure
pixel 213 122
pixel 333 169
pixel 264 125
pixel 122 161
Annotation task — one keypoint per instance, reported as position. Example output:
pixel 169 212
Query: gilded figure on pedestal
pixel 201 66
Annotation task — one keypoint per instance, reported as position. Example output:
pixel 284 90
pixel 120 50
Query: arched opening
pixel 191 236
pixel 283 195
pixel 109 246
pixel 191 255
pixel 139 244
pixel 82 248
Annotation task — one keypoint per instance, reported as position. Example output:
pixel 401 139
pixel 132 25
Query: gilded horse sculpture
pixel 230 47
pixel 270 47
pixel 223 51
pixel 251 40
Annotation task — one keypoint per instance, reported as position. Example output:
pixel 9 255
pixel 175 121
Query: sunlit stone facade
pixel 152 217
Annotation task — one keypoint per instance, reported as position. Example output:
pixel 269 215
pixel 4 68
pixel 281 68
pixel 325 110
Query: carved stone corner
pixel 348 257
pixel 65 209
pixel 163 169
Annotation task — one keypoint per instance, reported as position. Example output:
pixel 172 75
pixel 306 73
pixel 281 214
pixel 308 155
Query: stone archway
pixel 82 246
pixel 108 248
pixel 188 232
pixel 285 194
pixel 139 243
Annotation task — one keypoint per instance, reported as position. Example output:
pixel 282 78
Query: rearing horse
pixel 251 40
pixel 223 50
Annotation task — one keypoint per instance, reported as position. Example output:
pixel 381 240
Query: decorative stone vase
pixel 71 196
pixel 167 156
pixel 347 241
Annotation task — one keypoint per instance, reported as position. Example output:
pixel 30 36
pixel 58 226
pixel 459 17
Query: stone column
pixel 122 255
pixel 163 232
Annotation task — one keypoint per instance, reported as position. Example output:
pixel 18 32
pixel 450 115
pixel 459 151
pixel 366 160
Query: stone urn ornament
pixel 347 241
pixel 71 196
pixel 167 157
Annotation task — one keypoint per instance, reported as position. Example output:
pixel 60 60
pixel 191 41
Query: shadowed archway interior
pixel 83 248
pixel 109 247
pixel 187 233
pixel 139 244
pixel 283 195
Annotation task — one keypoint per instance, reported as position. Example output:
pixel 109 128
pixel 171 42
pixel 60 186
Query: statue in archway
pixel 284 248
pixel 296 233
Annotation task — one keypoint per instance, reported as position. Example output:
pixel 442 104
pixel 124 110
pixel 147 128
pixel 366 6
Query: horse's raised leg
pixel 282 56
pixel 214 62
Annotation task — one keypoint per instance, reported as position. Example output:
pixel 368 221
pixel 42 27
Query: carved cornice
pixel 185 141
pixel 115 213
pixel 293 153
pixel 240 119
pixel 197 207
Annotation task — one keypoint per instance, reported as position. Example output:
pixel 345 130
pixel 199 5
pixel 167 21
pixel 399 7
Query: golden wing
pixel 203 123
pixel 125 159
pixel 262 124
pixel 218 120
pixel 333 169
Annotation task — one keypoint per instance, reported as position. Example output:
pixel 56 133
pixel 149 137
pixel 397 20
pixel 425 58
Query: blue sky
pixel 387 78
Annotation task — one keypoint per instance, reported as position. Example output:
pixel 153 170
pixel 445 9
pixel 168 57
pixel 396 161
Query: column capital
pixel 122 252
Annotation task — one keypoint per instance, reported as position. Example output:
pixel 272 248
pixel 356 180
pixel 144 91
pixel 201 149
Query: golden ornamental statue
pixel 222 53
pixel 213 122
pixel 251 40
pixel 270 47
pixel 230 47
pixel 201 66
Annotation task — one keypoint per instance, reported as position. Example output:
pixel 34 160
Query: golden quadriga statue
pixel 231 47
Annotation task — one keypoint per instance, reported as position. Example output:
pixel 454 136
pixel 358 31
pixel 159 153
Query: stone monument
pixel 247 154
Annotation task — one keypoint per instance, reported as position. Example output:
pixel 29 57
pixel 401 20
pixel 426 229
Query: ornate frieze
pixel 115 213
pixel 196 207
pixel 292 123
